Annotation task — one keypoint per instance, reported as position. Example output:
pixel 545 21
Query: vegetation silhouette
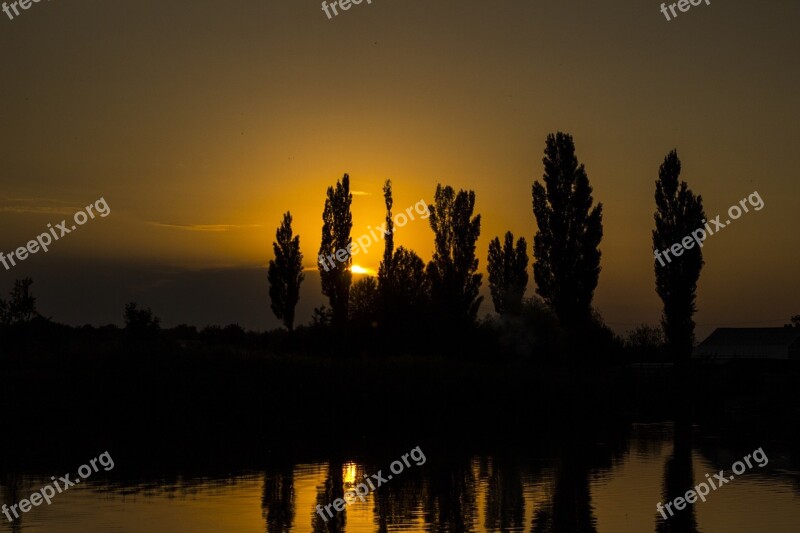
pixel 679 212
pixel 334 250
pixel 645 344
pixel 20 309
pixel 545 373
pixel 406 293
pixel 385 268
pixel 364 303
pixel 569 232
pixel 140 324
pixel 508 274
pixel 285 273
pixel 452 273
pixel 403 285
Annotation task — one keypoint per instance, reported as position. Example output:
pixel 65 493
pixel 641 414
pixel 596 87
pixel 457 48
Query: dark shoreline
pixel 194 407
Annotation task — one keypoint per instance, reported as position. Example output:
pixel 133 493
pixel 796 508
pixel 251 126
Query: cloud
pixel 204 227
pixel 360 193
pixel 48 206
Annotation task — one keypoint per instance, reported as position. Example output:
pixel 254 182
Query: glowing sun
pixel 355 269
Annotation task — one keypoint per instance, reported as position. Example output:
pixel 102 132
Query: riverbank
pixel 190 405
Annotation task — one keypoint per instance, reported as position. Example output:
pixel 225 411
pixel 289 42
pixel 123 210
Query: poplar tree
pixel 678 213
pixel 453 270
pixel 285 273
pixel 337 221
pixel 569 232
pixel 385 286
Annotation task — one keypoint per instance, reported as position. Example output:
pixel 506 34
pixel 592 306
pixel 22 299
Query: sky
pixel 200 123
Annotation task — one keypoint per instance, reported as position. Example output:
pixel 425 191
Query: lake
pixel 556 483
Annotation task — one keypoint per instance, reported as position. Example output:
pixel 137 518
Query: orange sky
pixel 201 122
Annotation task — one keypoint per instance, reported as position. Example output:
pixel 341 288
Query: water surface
pixel 603 487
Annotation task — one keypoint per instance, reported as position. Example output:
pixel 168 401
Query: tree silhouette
pixel 679 212
pixel 385 268
pixel 285 273
pixel 140 324
pixel 386 285
pixel 322 317
pixel 402 283
pixel 410 283
pixel 334 249
pixel 508 274
pixel 409 297
pixel 645 343
pixel 21 307
pixel 452 271
pixel 569 232
pixel 364 301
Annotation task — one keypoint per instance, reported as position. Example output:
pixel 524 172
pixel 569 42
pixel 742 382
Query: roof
pixel 750 342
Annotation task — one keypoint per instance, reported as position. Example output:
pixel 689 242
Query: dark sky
pixel 201 122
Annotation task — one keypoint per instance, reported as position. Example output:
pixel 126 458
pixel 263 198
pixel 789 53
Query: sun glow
pixel 356 269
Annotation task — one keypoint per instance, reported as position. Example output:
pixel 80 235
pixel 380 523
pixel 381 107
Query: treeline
pixel 26 332
pixel 413 307
pixel 440 299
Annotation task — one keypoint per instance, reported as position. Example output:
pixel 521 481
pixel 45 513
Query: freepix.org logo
pixel 24 4
pixel 344 5
pixel 47 493
pixel 683 6
pixel 44 240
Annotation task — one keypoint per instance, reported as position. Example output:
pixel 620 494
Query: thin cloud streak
pixel 204 227
pixel 17 205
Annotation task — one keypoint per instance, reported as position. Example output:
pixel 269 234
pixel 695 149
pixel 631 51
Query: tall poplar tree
pixel 452 272
pixel 385 285
pixel 337 221
pixel 285 273
pixel 569 232
pixel 678 213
